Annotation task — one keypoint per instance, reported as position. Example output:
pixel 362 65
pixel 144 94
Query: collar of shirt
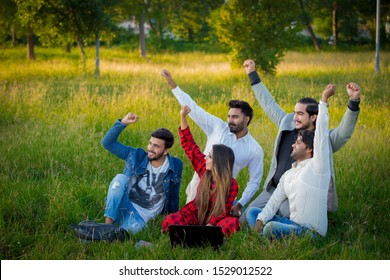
pixel 301 163
pixel 245 138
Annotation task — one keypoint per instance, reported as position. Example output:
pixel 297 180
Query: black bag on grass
pixel 90 231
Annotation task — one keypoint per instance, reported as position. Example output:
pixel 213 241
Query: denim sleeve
pixel 111 144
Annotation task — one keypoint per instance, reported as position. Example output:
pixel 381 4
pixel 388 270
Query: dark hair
pixel 164 134
pixel 244 106
pixel 223 158
pixel 307 138
pixel 312 105
pixel 221 174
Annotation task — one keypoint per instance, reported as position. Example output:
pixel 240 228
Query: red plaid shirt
pixel 198 162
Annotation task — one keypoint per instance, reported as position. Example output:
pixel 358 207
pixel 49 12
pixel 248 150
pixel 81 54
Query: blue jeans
pixel 120 208
pixel 278 226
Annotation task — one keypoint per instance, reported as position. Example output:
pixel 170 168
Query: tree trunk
pixel 13 36
pixel 160 26
pixel 30 44
pixel 97 61
pixel 83 58
pixel 142 45
pixel 313 37
pixel 308 26
pixel 68 47
pixel 334 23
pixel 190 35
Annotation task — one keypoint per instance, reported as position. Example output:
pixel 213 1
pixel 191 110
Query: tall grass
pixel 54 172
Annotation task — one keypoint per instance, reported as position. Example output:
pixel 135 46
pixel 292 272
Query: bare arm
pixel 185 110
pixel 169 78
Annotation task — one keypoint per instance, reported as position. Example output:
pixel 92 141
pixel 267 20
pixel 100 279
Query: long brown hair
pixel 221 174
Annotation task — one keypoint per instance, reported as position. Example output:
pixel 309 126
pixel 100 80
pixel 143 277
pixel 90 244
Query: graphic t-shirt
pixel 148 196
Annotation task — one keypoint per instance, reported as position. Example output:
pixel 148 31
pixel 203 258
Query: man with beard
pixel 305 185
pixel 303 117
pixel 150 183
pixel 234 133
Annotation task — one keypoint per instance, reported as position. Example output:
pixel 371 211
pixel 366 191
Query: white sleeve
pixel 255 168
pixel 321 162
pixel 272 206
pixel 204 120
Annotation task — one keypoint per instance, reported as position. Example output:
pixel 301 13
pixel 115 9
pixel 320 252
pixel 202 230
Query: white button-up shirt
pixel 306 184
pixel 247 152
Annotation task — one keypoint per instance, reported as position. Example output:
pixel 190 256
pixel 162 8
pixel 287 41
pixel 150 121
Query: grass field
pixel 54 171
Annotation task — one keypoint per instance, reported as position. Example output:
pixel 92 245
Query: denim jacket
pixel 136 161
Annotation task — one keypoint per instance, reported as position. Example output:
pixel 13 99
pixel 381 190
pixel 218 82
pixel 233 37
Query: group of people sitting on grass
pixel 299 189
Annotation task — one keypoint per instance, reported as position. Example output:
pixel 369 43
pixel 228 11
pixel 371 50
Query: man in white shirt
pixel 303 117
pixel 234 133
pixel 305 185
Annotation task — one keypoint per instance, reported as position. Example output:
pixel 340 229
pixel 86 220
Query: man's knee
pixel 260 202
pixel 119 180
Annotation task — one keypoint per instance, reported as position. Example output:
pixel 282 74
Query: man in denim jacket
pixel 150 182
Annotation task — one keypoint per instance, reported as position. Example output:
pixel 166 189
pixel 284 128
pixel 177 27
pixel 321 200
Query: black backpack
pixel 90 231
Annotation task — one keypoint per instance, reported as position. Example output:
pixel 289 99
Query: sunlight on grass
pixel 54 172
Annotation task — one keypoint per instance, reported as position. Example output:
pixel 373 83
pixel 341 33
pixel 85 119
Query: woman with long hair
pixel 217 188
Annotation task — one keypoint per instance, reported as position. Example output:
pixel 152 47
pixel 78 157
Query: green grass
pixel 54 172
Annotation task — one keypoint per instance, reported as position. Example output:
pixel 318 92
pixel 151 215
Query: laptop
pixel 195 235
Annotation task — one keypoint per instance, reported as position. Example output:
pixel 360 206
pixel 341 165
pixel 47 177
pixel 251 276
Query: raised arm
pixel 206 121
pixel 321 162
pixel 110 140
pixel 189 145
pixel 341 134
pixel 185 110
pixel 169 78
pixel 263 96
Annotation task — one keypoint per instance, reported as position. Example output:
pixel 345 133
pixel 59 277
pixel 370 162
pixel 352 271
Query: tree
pixel 31 14
pixel 260 30
pixel 8 20
pixel 188 19
pixel 82 20
pixel 307 22
pixel 345 19
pixel 138 9
pixel 367 13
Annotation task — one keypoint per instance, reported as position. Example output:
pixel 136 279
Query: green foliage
pixel 256 29
pixel 54 172
pixel 188 19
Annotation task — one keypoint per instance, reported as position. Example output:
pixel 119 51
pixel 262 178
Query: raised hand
pixel 169 79
pixel 249 65
pixel 354 91
pixel 328 92
pixel 184 111
pixel 130 118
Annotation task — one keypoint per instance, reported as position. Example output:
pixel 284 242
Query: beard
pixel 154 156
pixel 298 154
pixel 234 128
pixel 300 125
